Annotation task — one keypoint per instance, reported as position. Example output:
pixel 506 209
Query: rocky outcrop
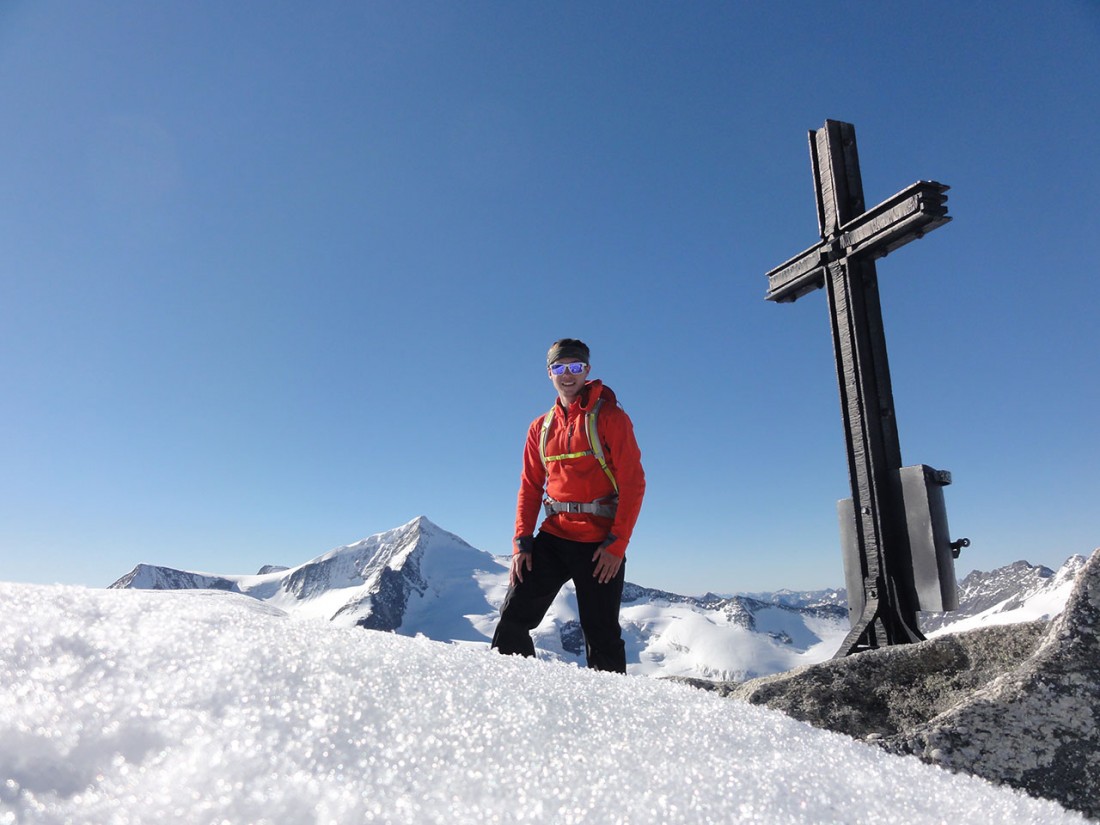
pixel 152 577
pixel 1016 704
pixel 892 688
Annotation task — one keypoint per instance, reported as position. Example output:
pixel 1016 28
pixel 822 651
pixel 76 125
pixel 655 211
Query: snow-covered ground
pixel 683 639
pixel 134 706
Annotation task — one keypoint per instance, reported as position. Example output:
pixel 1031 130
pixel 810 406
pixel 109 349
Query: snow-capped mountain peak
pixel 1017 592
pixel 418 579
pixel 370 583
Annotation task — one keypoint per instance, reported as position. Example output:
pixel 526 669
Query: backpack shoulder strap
pixel 590 421
pixel 546 421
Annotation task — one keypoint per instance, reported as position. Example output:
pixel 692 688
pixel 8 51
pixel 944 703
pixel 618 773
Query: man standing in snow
pixel 582 465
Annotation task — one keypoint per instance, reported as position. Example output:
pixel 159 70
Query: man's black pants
pixel 554 562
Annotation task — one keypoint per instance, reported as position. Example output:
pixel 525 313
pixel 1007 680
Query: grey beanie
pixel 567 348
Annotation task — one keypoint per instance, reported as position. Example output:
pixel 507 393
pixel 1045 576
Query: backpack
pixel 590 419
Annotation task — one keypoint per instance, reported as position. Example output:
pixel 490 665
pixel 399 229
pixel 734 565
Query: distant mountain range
pixel 418 579
pixel 1018 592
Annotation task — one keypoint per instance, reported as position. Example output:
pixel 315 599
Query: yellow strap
pixel 597 447
pixel 568 455
pixel 545 435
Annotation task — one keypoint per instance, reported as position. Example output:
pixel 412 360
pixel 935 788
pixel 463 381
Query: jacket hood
pixel 593 391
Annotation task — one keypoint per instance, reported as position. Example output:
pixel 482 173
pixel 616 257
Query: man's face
pixel 568 384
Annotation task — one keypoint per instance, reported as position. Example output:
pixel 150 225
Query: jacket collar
pixel 593 391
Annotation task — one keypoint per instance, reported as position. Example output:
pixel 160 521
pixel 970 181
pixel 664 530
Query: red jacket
pixel 583 479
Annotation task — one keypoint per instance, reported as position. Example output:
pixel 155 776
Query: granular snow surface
pixel 129 706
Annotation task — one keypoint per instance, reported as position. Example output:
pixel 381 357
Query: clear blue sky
pixel 277 276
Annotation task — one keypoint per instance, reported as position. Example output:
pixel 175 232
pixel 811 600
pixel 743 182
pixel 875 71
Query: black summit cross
pixel 898 558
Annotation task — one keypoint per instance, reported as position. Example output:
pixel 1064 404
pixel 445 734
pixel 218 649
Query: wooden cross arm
pixel 803 273
pixel 905 217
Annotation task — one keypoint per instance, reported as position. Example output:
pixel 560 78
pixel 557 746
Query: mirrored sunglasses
pixel 576 368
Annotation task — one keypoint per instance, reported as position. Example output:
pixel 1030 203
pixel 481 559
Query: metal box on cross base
pixel 929 574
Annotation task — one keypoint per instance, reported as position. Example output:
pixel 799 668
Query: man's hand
pixel 607 566
pixel 519 562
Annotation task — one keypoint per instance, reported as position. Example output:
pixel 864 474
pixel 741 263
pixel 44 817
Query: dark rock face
pixel 311 580
pixel 1017 704
pixel 151 577
pixel 572 637
pixel 392 596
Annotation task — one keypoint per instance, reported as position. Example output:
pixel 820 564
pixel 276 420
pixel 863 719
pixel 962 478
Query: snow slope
pixel 130 706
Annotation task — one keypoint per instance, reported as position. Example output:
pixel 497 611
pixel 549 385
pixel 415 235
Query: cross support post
pixel 898 558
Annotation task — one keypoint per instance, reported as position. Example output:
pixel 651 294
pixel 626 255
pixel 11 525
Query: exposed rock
pixel 152 577
pixel 392 592
pixel 572 637
pixel 1015 704
pixel 892 688
pixel 1035 727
